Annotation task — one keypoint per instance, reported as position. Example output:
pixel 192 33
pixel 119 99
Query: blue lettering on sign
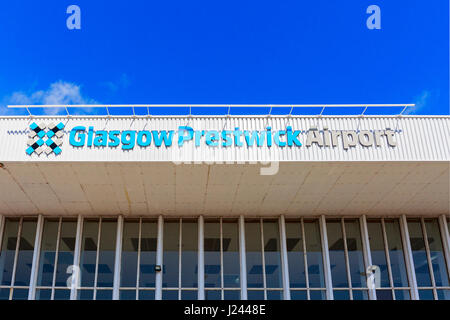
pixel 81 136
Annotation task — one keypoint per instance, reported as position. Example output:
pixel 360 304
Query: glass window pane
pixel 130 244
pixel 426 295
pixel 25 256
pixel 355 253
pixel 149 236
pixel 189 255
pixel 253 254
pixel 48 253
pixel 231 295
pixel 419 254
pixel 43 294
pixel 107 253
pixel 395 247
pixel 296 260
pixel 314 254
pixel 85 294
pixel 317 295
pixel 65 252
pixel 377 250
pixel 212 255
pixel 274 295
pixel 89 253
pixel 146 294
pixel 443 294
pixel 384 295
pixel 341 295
pixel 402 295
pixel 231 262
pixel 104 295
pixel 170 294
pixel 299 295
pixel 272 255
pixel 20 294
pixel 8 250
pixel 337 255
pixel 437 253
pixel 360 295
pixel 62 294
pixel 171 255
pixel 189 295
pixel 213 295
pixel 255 295
pixel 127 294
pixel 4 294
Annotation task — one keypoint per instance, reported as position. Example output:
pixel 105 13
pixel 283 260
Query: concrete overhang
pixel 154 188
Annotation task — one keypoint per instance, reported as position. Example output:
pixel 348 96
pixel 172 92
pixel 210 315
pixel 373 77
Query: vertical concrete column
pixel 242 258
pixel 117 259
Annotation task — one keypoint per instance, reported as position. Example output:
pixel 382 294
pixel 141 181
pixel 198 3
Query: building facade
pixel 248 207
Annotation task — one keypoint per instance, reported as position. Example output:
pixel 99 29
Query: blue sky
pixel 232 52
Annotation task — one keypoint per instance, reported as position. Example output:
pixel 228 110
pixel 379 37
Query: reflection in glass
pixel 253 255
pixel 212 244
pixel 272 257
pixel 171 256
pixel 149 236
pixel 395 247
pixel 377 250
pixel 7 254
pixel 423 276
pixel 25 255
pixel 337 256
pixel 437 253
pixel 314 255
pixel 48 254
pixel 89 252
pixel 65 251
pixel 189 256
pixel 355 254
pixel 106 254
pixel 129 259
pixel 231 263
pixel 296 260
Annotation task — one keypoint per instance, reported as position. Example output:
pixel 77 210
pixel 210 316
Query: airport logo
pixel 45 138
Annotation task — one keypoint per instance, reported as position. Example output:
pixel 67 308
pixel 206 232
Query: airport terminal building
pixel 224 207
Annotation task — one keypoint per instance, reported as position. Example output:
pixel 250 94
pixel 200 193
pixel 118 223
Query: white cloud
pixel 58 93
pixel 420 101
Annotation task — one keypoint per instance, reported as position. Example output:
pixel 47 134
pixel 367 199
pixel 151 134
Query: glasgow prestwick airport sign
pixel 81 136
pixel 49 138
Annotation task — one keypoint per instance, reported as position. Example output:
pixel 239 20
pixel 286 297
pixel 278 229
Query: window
pixel 263 255
pixel 98 250
pixel 16 258
pixel 222 264
pixel 138 260
pixel 180 260
pixel 346 259
pixel 429 261
pixel 56 255
pixel 387 253
pixel 305 260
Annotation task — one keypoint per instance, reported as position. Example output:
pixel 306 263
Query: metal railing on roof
pixel 145 109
